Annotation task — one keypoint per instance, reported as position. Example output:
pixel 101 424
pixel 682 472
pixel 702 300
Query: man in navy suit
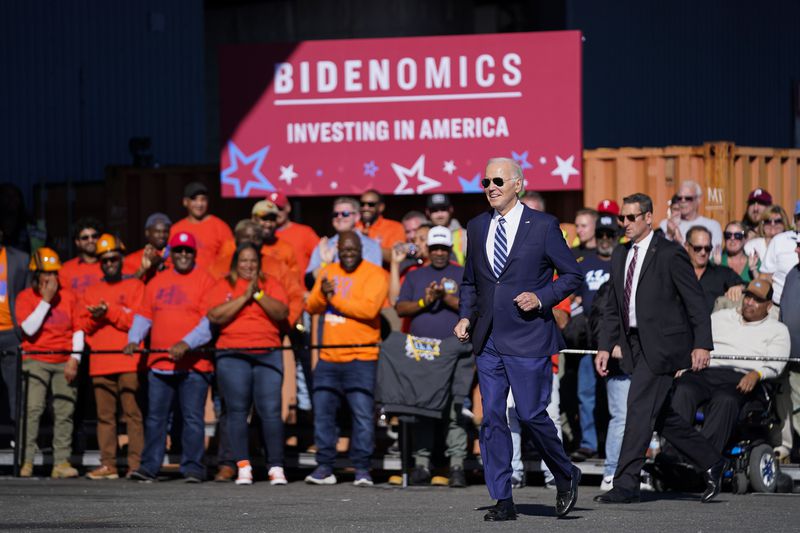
pixel 505 307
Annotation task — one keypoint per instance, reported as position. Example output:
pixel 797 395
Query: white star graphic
pixel 334 185
pixel 288 174
pixel 418 170
pixel 565 169
pixel 449 167
pixel 542 160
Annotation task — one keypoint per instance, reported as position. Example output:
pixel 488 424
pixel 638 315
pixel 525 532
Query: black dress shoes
pixel 616 495
pixel 713 479
pixel 565 500
pixel 502 511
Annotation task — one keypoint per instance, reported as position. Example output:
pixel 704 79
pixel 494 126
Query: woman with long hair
pixel 247 306
pixel 733 255
pixel 774 220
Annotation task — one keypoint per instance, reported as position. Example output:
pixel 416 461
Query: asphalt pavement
pixel 54 505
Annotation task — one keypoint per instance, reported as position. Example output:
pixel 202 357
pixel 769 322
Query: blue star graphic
pixel 473 185
pixel 521 159
pixel 370 168
pixel 260 182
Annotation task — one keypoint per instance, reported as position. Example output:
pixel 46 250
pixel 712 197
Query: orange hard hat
pixel 45 260
pixel 108 243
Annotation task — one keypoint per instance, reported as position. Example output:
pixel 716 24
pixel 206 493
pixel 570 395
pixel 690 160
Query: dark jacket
pixel 18 280
pixel 671 312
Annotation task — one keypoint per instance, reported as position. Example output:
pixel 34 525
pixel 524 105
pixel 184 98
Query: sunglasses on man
pixel 698 249
pixel 735 235
pixel 89 236
pixel 369 204
pixel 485 182
pixel 630 218
pixel 342 214
pixel 271 217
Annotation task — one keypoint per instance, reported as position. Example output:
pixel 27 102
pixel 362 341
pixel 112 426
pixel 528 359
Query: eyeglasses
pixel 369 204
pixel 759 202
pixel 272 217
pixel 107 260
pixel 685 198
pixel 755 298
pixel 342 214
pixel 497 181
pixel 698 249
pixel 182 250
pixel 737 235
pixel 90 236
pixel 629 218
pixel 773 221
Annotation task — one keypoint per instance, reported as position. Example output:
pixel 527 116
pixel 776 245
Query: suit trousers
pixel 531 381
pixel 649 408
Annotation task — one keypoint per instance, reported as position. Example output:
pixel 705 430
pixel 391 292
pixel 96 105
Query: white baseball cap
pixel 440 236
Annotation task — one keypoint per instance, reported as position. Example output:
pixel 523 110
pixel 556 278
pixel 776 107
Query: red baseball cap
pixel 183 238
pixel 759 196
pixel 278 198
pixel 608 206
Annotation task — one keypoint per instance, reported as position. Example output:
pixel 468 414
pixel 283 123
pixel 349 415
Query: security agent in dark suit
pixel 506 297
pixel 657 314
pixel 16 267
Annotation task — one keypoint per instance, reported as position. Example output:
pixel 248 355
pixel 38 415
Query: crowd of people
pixel 217 307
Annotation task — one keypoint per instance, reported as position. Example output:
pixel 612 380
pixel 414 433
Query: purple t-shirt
pixel 437 320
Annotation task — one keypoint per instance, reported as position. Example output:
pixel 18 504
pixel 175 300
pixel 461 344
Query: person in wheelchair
pixel 726 385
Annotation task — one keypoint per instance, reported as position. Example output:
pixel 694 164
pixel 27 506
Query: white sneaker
pixel 276 476
pixel 245 476
pixel 607 484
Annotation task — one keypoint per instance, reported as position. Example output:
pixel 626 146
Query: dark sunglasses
pixel 773 221
pixel 629 218
pixel 738 235
pixel 759 202
pixel 755 298
pixel 115 259
pixel 497 181
pixel 342 214
pixel 698 249
pixel 182 250
pixel 92 236
pixel 685 198
pixel 369 204
pixel 272 217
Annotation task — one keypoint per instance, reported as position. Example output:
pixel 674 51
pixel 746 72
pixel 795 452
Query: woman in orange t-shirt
pixel 247 306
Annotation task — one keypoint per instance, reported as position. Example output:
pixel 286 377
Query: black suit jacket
pixel 17 278
pixel 671 313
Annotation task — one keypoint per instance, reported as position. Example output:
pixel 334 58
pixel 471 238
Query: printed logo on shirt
pixel 57 318
pixel 343 285
pixel 418 348
pixel 172 296
pixel 595 278
pixel 81 283
pixel 3 291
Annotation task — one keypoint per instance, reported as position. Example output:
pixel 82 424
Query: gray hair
pixel 698 191
pixel 516 170
pixel 348 200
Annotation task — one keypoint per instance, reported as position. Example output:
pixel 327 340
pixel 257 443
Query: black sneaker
pixel 420 476
pixel 141 476
pixel 192 478
pixel 457 478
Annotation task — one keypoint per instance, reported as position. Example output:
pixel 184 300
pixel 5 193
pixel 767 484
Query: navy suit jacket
pixel 488 300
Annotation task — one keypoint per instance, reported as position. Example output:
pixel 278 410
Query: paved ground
pixel 48 505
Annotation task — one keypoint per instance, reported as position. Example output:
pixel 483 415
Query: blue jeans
pixel 355 382
pixel 252 379
pixel 191 389
pixel 617 390
pixel 586 397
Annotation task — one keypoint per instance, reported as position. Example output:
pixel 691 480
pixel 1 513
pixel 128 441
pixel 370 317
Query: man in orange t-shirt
pixel 351 294
pixel 375 226
pixel 84 270
pixel 209 231
pixel 144 264
pixel 174 312
pixel 48 315
pixel 303 239
pixel 106 315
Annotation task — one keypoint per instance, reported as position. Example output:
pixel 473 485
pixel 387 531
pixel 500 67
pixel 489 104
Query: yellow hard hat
pixel 108 243
pixel 45 260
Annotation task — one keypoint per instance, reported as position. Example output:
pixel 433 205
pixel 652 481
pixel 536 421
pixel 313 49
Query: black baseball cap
pixel 194 188
pixel 438 200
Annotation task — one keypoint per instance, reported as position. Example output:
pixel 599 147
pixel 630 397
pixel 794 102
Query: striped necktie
pixel 500 247
pixel 629 288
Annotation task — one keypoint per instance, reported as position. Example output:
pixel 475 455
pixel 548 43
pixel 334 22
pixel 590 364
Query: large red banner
pixel 404 116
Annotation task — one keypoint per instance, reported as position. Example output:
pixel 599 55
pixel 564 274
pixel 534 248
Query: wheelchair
pixel 751 460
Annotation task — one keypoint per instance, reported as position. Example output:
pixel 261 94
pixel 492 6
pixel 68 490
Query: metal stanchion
pixel 19 430
pixel 405 448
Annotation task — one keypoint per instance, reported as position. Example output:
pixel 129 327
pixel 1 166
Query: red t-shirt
pixel 251 327
pixel 175 303
pixel 302 239
pixel 56 330
pixel 111 331
pixel 210 233
pixel 77 275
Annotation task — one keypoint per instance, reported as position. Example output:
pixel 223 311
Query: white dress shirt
pixel 512 219
pixel 642 245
